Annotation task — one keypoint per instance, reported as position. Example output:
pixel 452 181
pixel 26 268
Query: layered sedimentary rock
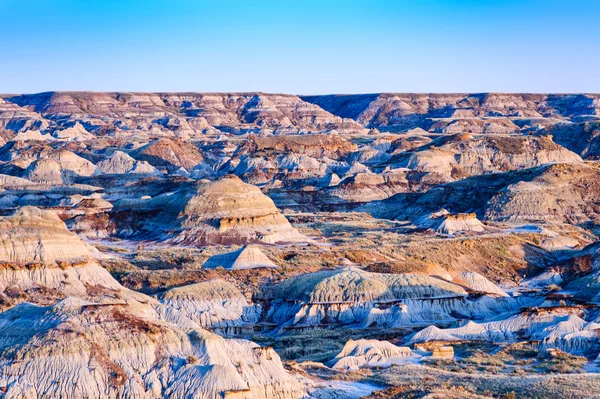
pixel 406 110
pixel 32 235
pixel 316 145
pixel 120 163
pixel 355 297
pixel 369 353
pixel 16 118
pixel 247 257
pixel 563 193
pixel 74 133
pixel 108 341
pixel 46 171
pixel 195 111
pixel 556 193
pixel 168 153
pixel 73 164
pixel 444 222
pixel 80 349
pixel 563 328
pixel 226 211
pixel 496 154
pixel 478 283
pixel 213 304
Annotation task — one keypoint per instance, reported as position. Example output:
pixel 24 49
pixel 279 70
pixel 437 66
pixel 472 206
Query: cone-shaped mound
pixel 247 257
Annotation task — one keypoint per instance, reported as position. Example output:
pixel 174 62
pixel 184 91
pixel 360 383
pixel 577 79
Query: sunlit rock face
pixel 226 211
pixel 80 349
pixel 139 230
pixel 32 235
pixel 356 298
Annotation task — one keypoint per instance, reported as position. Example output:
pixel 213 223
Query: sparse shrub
pixel 557 361
pixel 191 359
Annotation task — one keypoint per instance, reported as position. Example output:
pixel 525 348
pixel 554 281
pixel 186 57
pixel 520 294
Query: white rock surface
pixel 214 303
pixel 370 353
pixel 78 349
pixel 247 257
pixel 32 235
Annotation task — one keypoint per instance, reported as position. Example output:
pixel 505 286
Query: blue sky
pixel 300 46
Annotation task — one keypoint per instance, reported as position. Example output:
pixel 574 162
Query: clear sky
pixel 300 46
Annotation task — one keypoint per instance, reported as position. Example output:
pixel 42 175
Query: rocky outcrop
pixel 480 284
pixel 74 133
pixel 78 349
pixel 497 154
pixel 107 341
pixel 370 353
pixel 315 145
pixel 170 154
pixel 405 110
pixel 564 193
pixel 215 304
pixel 247 257
pixel 227 211
pixel 443 222
pixel 235 112
pixel 120 163
pixel 74 165
pixel 356 298
pixel 45 171
pixel 561 328
pixel 32 235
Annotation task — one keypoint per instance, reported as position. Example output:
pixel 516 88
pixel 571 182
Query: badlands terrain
pixel 271 246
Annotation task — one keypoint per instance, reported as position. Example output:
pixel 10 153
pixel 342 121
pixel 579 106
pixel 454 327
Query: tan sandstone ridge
pixel 32 235
pixel 227 211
